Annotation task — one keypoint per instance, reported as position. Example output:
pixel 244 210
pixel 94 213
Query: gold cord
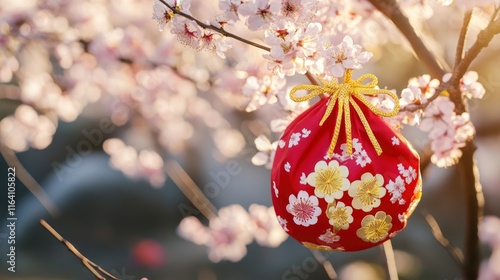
pixel 343 93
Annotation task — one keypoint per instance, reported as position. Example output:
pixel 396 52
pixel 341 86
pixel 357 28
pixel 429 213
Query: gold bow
pixel 343 93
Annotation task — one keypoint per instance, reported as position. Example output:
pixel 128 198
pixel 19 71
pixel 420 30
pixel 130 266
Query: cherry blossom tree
pixel 216 60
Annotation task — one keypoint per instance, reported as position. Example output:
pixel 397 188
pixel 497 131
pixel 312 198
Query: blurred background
pixel 126 221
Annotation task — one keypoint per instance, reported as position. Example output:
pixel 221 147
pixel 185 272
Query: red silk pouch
pixel 342 178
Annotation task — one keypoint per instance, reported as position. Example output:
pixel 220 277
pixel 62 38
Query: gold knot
pixel 343 93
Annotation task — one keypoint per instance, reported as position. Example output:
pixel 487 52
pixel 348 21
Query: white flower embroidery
pixel 281 143
pixel 287 166
pixel 294 139
pixel 283 223
pixel 396 189
pixel 358 154
pixel 305 133
pixel 304 209
pixel 409 174
pixel 402 217
pixel 395 140
pixel 303 179
pixel 329 237
pixel 276 191
pixel 362 158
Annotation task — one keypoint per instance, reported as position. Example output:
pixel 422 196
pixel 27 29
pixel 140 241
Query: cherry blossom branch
pixel 189 188
pixel 455 252
pixel 390 260
pixel 458 59
pixel 220 30
pixel 29 182
pixel 91 266
pixel 391 9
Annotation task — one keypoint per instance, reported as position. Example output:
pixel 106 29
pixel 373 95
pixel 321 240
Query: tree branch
pixel 391 9
pixel 91 266
pixel 483 39
pixel 455 252
pixel 29 182
pixel 190 189
pixel 461 38
pixel 474 210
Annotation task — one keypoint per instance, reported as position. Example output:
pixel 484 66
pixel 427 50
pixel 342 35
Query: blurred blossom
pixel 229 142
pixel 290 110
pixel 489 233
pixel 228 234
pixel 262 91
pixel 361 270
pixel 265 155
pixel 147 165
pixel 226 237
pixel 267 230
pixel 25 129
pixel 8 65
pixel 469 4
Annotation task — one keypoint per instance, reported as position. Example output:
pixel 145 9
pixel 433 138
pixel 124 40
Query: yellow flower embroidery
pixel 340 215
pixel 367 192
pixel 330 180
pixel 375 228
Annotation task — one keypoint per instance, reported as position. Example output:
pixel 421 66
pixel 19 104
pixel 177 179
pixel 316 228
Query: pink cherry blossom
pixel 470 87
pixel 187 32
pixel 230 9
pixel 259 13
pixel 262 91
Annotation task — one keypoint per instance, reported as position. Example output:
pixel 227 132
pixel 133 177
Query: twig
pixel 390 8
pixel 311 78
pixel 390 259
pixel 474 206
pixel 182 179
pixel 437 92
pixel 461 38
pixel 92 267
pixel 327 265
pixel 215 28
pixel 455 252
pixel 29 182
pixel 483 39
pixel 184 182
